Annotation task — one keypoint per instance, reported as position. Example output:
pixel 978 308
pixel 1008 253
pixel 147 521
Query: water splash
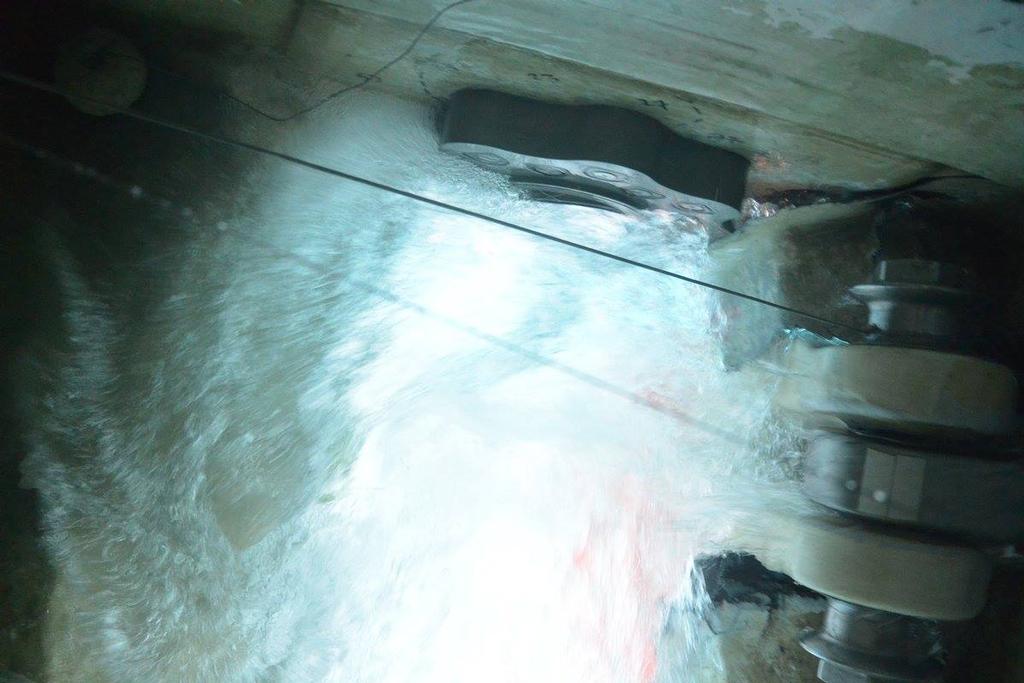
pixel 291 476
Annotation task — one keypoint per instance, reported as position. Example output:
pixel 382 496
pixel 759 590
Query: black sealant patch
pixel 595 155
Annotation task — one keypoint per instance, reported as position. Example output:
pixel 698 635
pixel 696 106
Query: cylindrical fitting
pixel 862 644
pixel 916 301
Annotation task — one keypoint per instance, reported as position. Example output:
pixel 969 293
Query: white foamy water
pixel 365 440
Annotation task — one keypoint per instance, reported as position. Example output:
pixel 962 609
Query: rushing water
pixel 359 439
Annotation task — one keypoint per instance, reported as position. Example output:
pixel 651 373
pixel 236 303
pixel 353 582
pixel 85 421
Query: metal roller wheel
pixel 970 497
pixel 867 645
pixel 915 302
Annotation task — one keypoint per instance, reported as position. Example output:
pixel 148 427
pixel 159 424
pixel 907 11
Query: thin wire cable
pixel 189 214
pixel 239 144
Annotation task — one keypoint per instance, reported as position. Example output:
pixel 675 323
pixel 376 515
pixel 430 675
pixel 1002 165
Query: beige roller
pixel 915 391
pixel 844 559
pixel 901 574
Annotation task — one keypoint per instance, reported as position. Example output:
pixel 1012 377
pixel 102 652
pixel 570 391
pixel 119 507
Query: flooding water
pixel 355 438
